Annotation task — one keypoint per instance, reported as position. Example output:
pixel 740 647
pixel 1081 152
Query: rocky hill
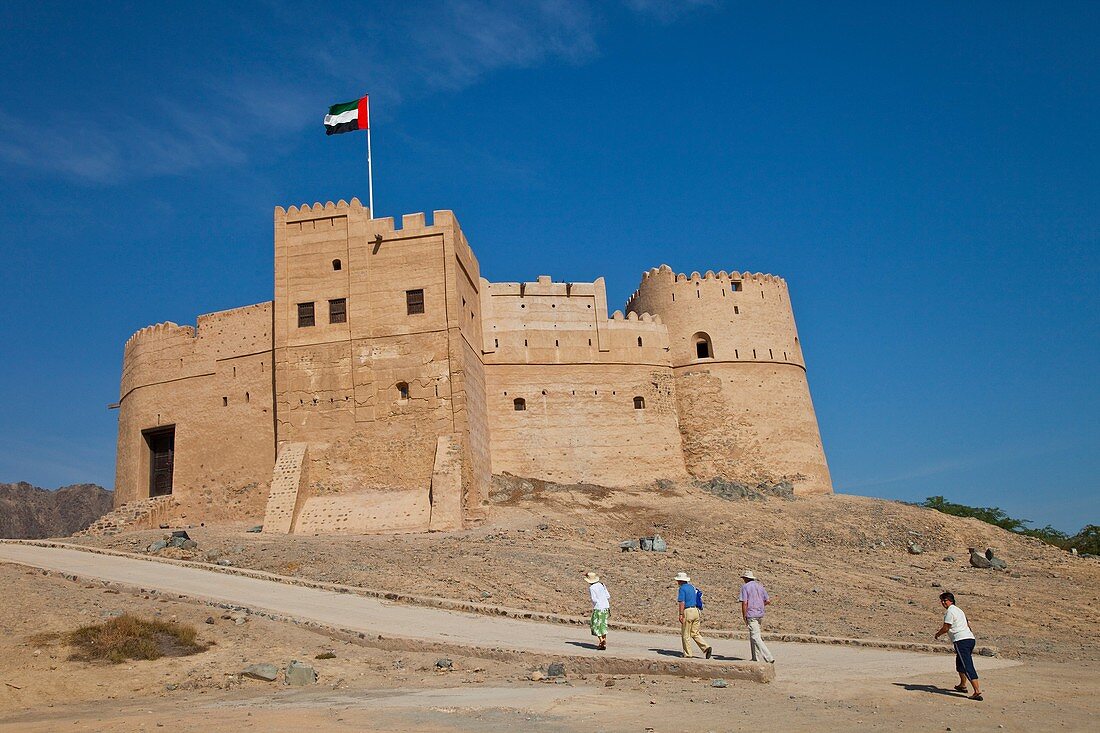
pixel 31 512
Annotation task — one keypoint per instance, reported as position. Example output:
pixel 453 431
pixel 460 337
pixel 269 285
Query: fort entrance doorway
pixel 162 448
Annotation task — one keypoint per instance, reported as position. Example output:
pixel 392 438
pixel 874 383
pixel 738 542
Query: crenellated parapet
pixel 167 351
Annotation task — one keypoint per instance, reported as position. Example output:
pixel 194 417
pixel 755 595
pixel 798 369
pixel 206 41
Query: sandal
pixel 959 688
pixel 977 696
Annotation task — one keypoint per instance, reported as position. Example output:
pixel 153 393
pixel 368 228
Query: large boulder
pixel 264 671
pixel 979 560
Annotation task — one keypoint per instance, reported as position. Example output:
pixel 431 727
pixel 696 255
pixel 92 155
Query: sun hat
pixel 747 575
pixel 682 578
pixel 591 578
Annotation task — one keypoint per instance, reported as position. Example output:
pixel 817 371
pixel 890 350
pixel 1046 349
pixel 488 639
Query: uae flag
pixel 347 117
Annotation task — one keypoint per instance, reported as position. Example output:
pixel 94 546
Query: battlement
pixel 159 331
pixel 328 209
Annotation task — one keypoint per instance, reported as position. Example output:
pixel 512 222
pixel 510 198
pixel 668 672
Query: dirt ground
pixel 370 689
pixel 835 565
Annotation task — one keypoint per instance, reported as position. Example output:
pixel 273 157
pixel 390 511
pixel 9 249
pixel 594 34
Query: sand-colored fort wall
pixel 372 395
pixel 745 410
pixel 375 417
pixel 578 373
pixel 214 385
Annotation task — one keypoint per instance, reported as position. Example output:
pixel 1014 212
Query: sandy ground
pixel 836 565
pixel 369 689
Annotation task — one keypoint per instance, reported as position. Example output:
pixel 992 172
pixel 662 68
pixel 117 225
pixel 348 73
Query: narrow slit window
pixel 414 301
pixel 305 315
pixel 736 310
pixel 639 341
pixel 225 402
pixel 338 310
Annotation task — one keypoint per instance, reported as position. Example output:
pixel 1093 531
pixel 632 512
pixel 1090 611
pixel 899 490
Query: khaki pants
pixel 689 630
pixel 756 643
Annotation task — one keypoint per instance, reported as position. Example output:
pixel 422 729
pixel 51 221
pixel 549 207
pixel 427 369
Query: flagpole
pixel 370 171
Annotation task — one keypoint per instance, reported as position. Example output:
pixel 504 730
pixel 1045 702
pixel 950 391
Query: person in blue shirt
pixel 687 600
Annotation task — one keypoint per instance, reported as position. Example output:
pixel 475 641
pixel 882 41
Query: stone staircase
pixel 286 480
pixel 140 514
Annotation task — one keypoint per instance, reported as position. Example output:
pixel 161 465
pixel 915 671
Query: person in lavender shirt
pixel 753 599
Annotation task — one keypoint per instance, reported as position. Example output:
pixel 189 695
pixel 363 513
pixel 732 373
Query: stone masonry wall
pixel 214 384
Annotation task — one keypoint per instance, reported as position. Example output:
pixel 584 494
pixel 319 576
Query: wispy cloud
pixel 409 52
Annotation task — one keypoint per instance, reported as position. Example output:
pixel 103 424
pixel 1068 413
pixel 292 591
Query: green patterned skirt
pixel 598 622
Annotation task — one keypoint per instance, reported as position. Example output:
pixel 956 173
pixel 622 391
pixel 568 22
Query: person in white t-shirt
pixel 601 609
pixel 955 624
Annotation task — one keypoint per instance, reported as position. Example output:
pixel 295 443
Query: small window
pixel 519 404
pixel 225 402
pixel 305 315
pixel 414 301
pixel 639 403
pixel 338 310
pixel 336 265
pixel 639 341
pixel 496 343
pixel 736 310
pixel 735 286
pixel 402 391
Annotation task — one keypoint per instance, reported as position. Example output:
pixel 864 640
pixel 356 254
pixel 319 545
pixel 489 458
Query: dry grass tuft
pixel 129 637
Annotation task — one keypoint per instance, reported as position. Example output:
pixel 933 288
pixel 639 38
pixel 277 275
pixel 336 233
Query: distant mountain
pixel 30 512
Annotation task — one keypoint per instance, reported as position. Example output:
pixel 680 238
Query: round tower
pixel 744 403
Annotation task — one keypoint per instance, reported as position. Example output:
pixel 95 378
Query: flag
pixel 347 117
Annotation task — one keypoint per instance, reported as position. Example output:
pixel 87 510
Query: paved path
pixel 800 663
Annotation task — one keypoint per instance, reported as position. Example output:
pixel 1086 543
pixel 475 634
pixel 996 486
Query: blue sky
pixel 924 177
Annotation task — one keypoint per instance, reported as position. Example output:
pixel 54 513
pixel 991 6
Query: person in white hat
pixel 753 599
pixel 601 608
pixel 689 602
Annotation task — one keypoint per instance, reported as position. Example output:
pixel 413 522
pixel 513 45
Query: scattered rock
pixel 264 671
pixel 209 619
pixel 719 683
pixel 326 655
pixel 915 549
pixel 665 485
pixel 486 594
pixel 299 675
pixel 989 553
pixel 949 558
pixel 544 527
pixel 255 530
pixel 936 585
pixel 556 669
pixel 998 564
pixel 659 545
pixel 181 534
pixel 979 560
pixel 188 545
pixel 224 563
pixel 157 546
pixel 444 663
pixel 987 651
pixel 609 683
pixel 171 686
pixel 628 545
pixel 536 676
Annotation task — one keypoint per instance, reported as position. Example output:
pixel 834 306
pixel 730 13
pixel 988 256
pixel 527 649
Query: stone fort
pixel 388 381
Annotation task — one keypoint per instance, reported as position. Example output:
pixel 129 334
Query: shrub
pixel 129 637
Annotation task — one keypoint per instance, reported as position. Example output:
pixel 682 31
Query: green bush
pixel 1086 541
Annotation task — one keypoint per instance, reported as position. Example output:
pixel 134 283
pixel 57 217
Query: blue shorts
pixel 964 658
